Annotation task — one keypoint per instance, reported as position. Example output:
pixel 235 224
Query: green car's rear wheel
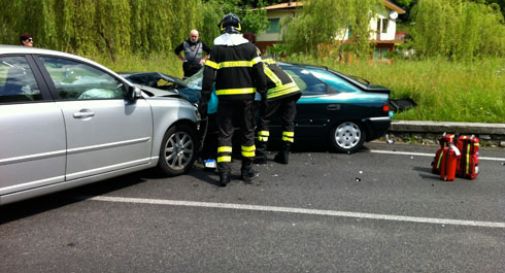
pixel 347 137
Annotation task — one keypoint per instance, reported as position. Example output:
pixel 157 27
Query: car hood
pixel 155 92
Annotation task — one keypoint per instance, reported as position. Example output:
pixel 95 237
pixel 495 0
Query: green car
pixel 338 110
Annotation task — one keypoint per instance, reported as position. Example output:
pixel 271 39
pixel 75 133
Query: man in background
pixel 195 52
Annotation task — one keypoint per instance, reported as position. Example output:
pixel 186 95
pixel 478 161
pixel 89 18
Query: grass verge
pixel 443 90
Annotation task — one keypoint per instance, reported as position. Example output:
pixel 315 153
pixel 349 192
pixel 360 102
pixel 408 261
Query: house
pixel 382 27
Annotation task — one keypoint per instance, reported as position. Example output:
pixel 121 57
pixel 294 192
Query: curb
pixel 491 134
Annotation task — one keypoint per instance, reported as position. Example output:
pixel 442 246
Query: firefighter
pixel 282 95
pixel 237 71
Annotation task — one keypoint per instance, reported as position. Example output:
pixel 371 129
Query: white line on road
pixel 360 215
pixel 429 155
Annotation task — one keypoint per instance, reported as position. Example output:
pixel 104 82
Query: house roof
pixel 295 4
pixel 288 5
pixel 394 7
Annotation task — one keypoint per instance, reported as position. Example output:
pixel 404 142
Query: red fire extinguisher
pixel 444 141
pixel 450 162
pixel 468 166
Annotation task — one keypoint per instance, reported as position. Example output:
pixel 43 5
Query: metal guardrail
pixel 491 134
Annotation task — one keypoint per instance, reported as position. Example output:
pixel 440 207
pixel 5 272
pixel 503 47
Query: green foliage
pixel 122 31
pixel 252 20
pixel 458 29
pixel 12 18
pixel 212 13
pixel 162 62
pixel 111 27
pixel 325 22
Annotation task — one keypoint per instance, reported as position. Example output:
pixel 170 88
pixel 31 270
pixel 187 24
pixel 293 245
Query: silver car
pixel 67 121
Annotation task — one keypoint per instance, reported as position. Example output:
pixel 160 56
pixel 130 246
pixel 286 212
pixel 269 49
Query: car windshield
pixel 195 81
pixel 192 87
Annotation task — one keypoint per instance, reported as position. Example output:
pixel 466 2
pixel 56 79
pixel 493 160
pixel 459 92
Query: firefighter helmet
pixel 230 23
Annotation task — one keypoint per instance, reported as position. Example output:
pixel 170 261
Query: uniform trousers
pixel 230 114
pixel 285 108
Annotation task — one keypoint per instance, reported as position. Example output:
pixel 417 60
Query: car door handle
pixel 84 113
pixel 333 107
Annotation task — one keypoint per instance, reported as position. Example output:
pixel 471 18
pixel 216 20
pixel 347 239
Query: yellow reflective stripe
pixel 224 158
pixel 288 139
pixel 248 154
pixel 212 64
pixel 467 171
pixel 440 159
pixel 229 64
pixel 236 64
pixel 282 90
pixel 235 91
pixel 248 148
pixel 263 139
pixel 263 136
pixel 248 151
pixel 288 134
pixel 271 75
pixel 269 61
pixel 263 133
pixel 256 60
pixel 224 149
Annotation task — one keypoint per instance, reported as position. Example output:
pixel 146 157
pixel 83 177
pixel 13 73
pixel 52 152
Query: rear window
pixel 306 81
pixel 316 81
pixel 335 82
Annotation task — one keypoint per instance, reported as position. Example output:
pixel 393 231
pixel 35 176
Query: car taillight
pixel 386 108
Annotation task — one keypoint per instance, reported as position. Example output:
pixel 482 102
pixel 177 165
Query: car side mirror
pixel 133 94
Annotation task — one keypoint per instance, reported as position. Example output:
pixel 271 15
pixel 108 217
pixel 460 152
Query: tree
pixel 458 29
pixel 252 20
pixel 324 22
pixel 498 3
pixel 112 28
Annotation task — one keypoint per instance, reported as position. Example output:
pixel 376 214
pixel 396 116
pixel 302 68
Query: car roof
pixel 13 49
pixel 358 81
pixel 302 65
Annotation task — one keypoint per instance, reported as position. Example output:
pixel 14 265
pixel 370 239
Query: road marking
pixel 359 215
pixel 429 154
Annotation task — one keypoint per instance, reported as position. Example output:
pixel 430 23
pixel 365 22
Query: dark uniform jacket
pixel 236 69
pixel 279 83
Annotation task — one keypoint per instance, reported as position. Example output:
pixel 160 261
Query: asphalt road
pixel 378 210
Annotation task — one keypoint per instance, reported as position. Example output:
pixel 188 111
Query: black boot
pixel 247 173
pixel 283 155
pixel 224 179
pixel 261 153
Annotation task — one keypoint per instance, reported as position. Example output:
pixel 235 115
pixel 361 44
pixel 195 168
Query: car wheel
pixel 178 150
pixel 347 137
